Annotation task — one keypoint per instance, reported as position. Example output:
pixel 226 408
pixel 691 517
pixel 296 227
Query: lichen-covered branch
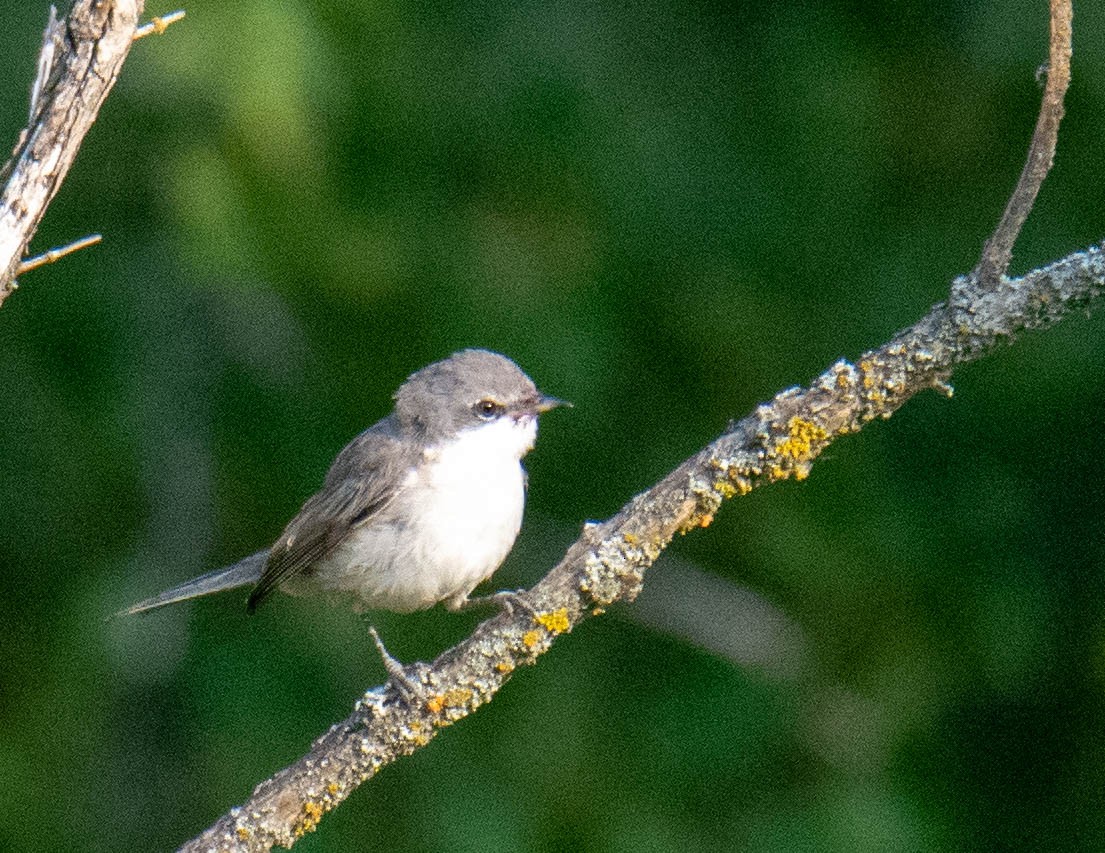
pixel 781 439
pixel 79 62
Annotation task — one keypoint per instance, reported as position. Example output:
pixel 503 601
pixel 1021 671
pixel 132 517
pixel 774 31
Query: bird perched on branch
pixel 419 508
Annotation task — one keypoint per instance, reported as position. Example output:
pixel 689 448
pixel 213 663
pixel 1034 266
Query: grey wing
pixel 365 477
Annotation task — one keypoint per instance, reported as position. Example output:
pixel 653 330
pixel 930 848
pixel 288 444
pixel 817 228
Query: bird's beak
pixel 545 404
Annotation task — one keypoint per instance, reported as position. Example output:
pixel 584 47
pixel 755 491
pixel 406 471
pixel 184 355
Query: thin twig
pixel 998 250
pixel 158 25
pixel 58 253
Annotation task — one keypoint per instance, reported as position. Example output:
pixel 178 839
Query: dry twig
pixel 57 253
pixel 998 250
pixel 157 26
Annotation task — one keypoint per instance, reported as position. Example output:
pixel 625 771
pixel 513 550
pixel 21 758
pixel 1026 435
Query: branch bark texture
pixel 779 440
pixel 81 58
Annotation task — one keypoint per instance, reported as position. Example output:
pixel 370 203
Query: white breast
pixel 449 529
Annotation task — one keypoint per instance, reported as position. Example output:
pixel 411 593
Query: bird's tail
pixel 243 573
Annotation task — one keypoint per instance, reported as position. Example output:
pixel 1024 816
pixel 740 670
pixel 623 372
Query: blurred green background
pixel 665 213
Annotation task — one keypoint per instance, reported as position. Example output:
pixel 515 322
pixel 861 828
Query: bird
pixel 418 509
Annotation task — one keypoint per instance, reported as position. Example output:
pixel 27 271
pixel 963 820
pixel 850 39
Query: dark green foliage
pixel 664 215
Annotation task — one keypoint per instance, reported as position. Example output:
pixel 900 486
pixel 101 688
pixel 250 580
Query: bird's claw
pixel 409 681
pixel 510 600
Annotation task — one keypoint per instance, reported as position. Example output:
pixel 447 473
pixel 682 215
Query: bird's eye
pixel 488 409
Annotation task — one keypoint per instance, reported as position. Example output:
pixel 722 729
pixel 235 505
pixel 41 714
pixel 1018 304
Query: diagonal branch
pixel 998 250
pixel 781 439
pixel 80 60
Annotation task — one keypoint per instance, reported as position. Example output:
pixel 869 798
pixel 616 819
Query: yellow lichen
pixel 866 366
pixel 630 538
pixel 504 666
pixel 313 814
pixel 555 621
pixel 242 833
pixel 531 638
pixel 726 490
pixel 457 697
pixel 802 436
pixel 695 519
pixel 435 703
pixel 333 788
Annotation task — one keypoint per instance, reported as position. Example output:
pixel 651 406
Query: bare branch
pixel 158 25
pixel 57 253
pixel 998 250
pixel 79 62
pixel 781 439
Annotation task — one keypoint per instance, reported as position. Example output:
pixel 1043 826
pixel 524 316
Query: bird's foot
pixel 510 600
pixel 409 681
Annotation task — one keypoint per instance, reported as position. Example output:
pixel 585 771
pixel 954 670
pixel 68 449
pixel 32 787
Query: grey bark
pixel 779 440
pixel 80 61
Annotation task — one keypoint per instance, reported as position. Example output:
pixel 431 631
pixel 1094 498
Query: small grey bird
pixel 419 508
